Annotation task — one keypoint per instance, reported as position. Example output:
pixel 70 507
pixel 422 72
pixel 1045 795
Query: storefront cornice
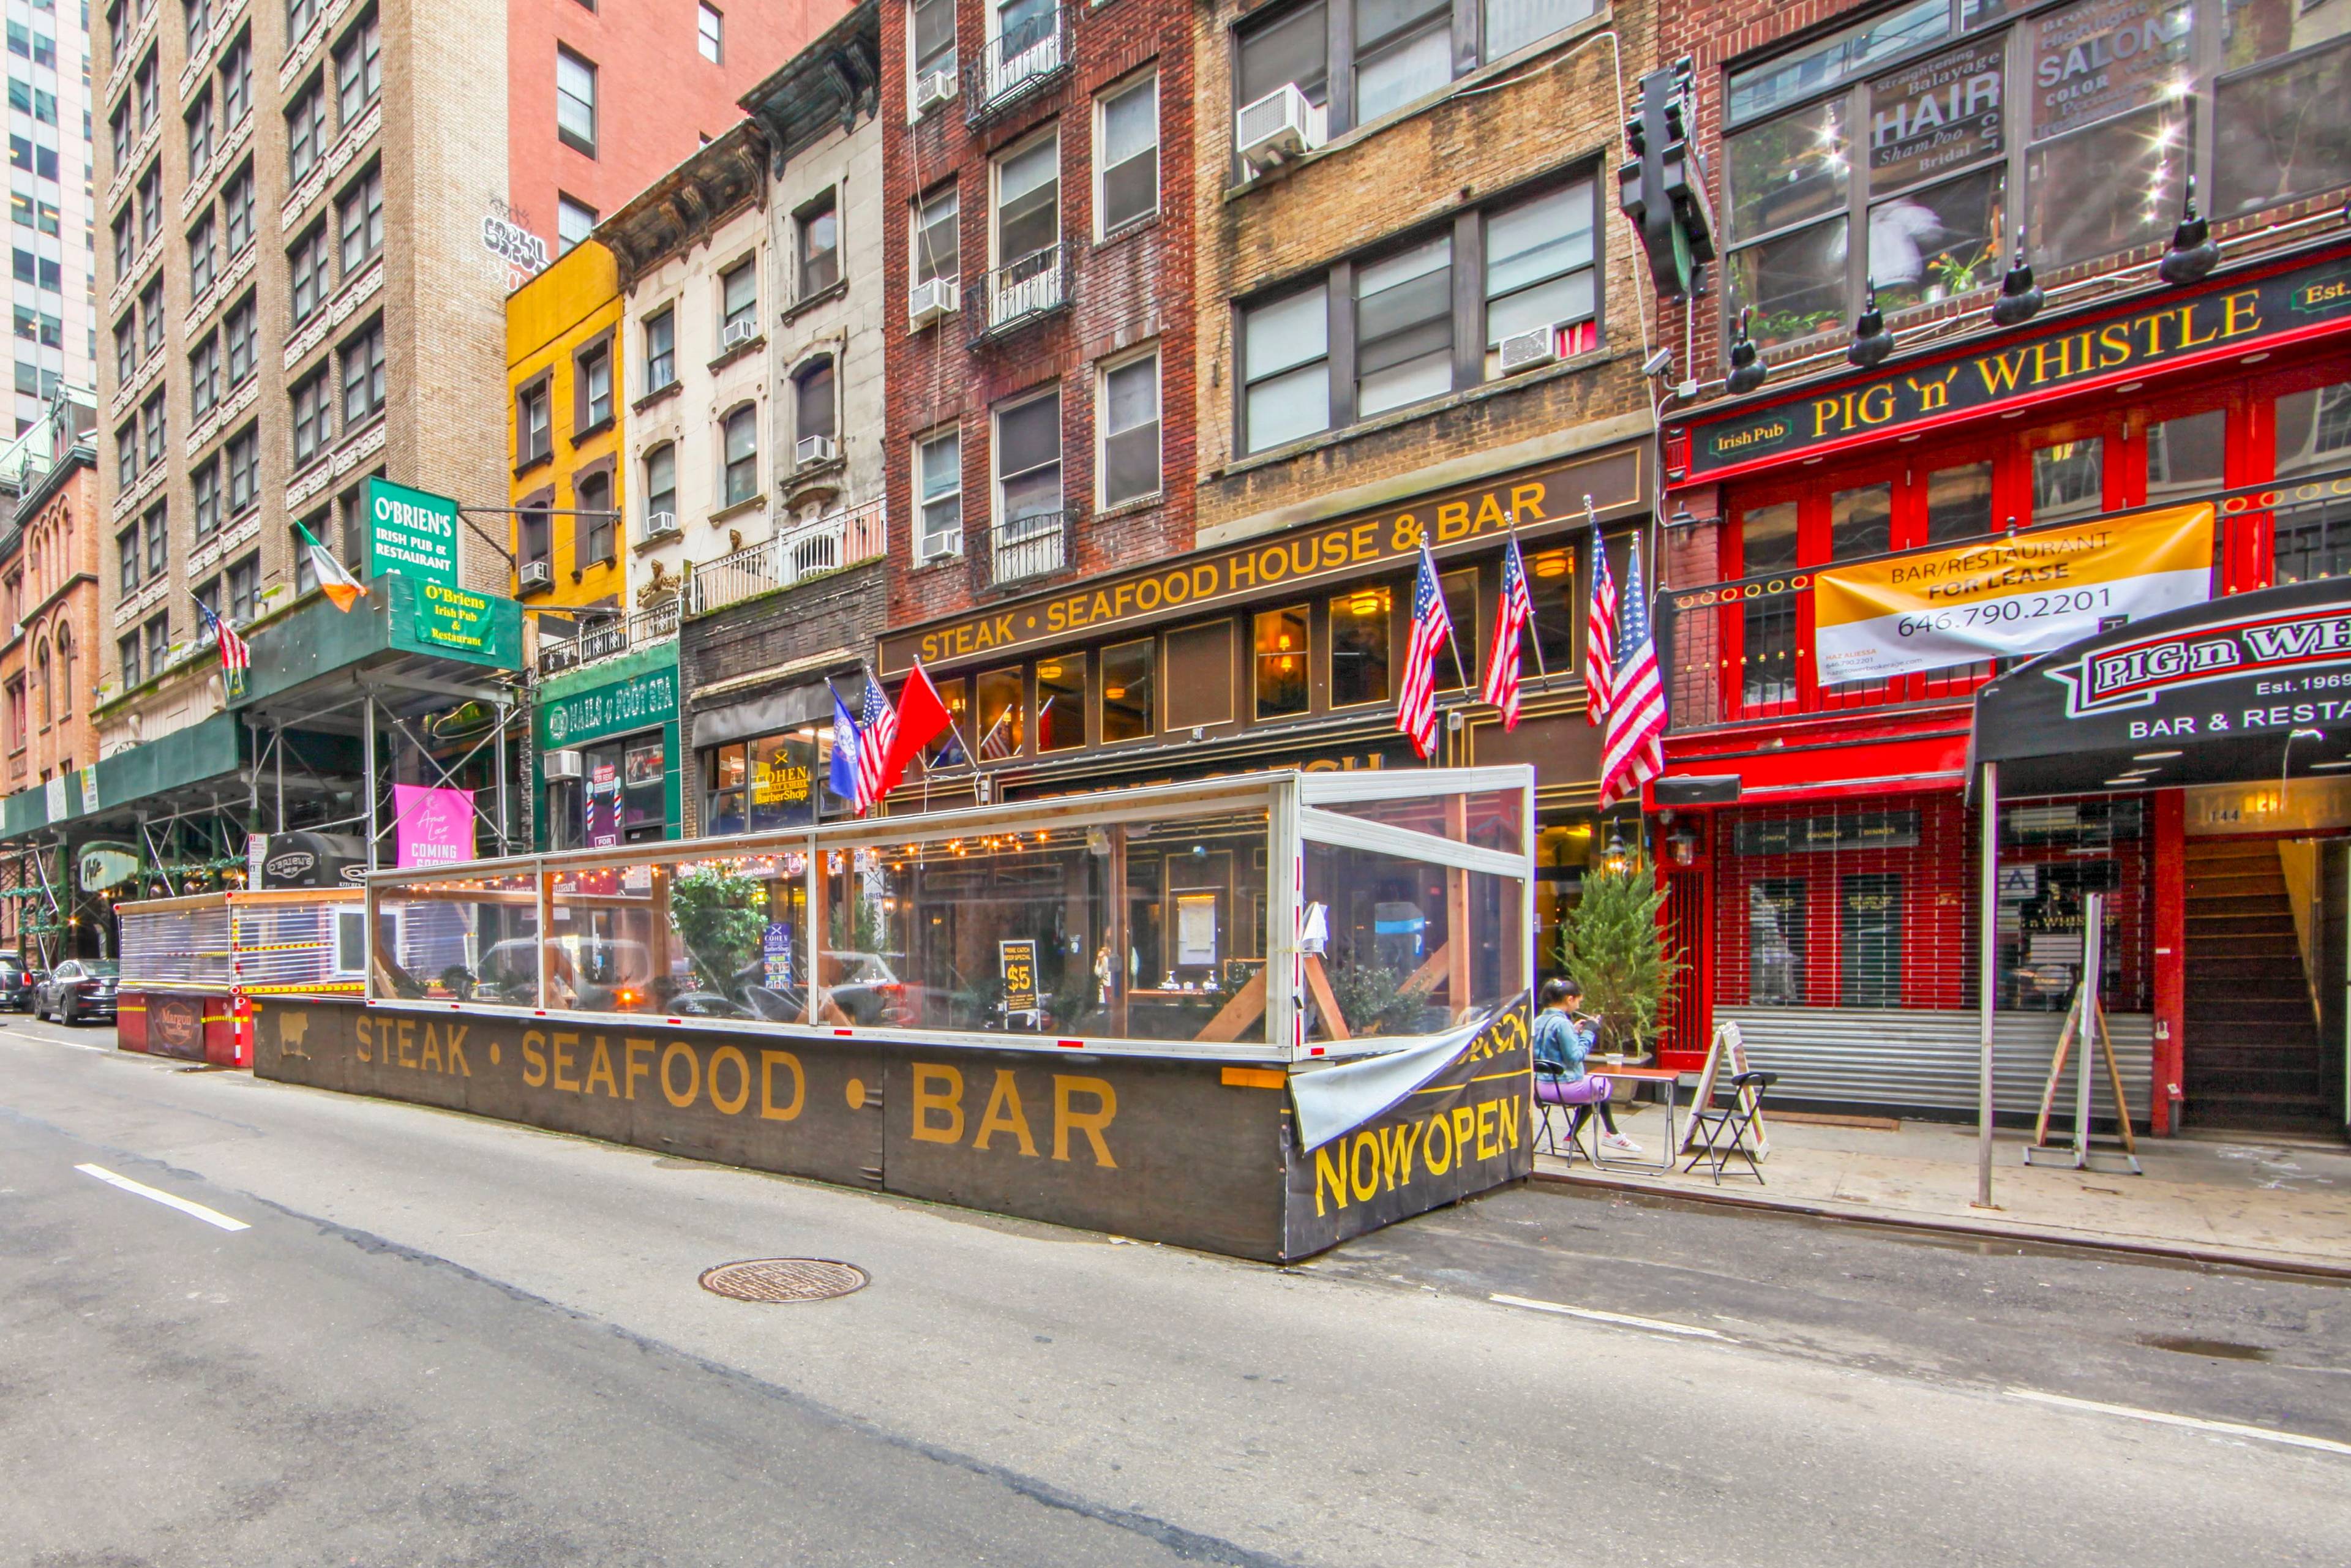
pixel 2279 299
pixel 759 680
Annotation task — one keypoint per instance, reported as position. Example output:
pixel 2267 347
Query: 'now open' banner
pixel 2017 595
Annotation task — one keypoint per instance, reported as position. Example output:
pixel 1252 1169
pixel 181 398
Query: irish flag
pixel 340 585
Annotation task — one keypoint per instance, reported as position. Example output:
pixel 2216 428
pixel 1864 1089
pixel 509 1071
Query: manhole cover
pixel 784 1280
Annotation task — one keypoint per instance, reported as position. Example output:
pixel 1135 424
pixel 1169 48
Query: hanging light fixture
pixel 1747 367
pixel 1871 341
pixel 2020 296
pixel 2194 251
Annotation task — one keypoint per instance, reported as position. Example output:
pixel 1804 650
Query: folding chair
pixel 1578 1118
pixel 1722 1131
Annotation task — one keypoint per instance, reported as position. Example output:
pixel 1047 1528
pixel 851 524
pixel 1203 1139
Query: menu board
pixel 1937 114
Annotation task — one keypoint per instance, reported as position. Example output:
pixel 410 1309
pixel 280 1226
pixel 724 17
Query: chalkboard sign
pixel 1017 965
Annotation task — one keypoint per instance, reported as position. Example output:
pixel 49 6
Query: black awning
pixel 2212 693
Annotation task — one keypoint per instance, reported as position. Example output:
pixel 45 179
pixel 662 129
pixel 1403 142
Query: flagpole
pixel 1535 633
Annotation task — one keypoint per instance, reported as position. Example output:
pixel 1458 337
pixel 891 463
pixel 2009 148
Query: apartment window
pixel 200 134
pixel 151 318
pixel 575 101
pixel 359 219
pixel 592 498
pixel 151 425
pixel 363 376
pixel 1028 203
pixel 591 382
pixel 1404 328
pixel 939 477
pixel 710 27
pixel 818 226
pixel 146 88
pixel 159 543
pixel 151 204
pixel 1538 263
pixel 244 589
pixel 661 351
pixel 65 679
pixel 126 346
pixel 126 652
pixel 933 34
pixel 1126 144
pixel 538 537
pixel 660 483
pixel 534 439
pixel 1129 421
pixel 306 131
pixel 738 298
pixel 306 575
pixel 299 15
pixel 1286 368
pixel 739 445
pixel 237 210
pixel 359 69
pixel 126 451
pixel 245 471
pixel 1291 50
pixel 813 412
pixel 241 329
pixel 204 376
pixel 312 265
pixel 236 80
pixel 1027 451
pixel 126 248
pixel 574 221
pixel 200 258
pixel 119 128
pixel 937 239
pixel 1404 49
pixel 1510 26
pixel 127 558
pixel 314 415
pixel 207 482
pixel 198 15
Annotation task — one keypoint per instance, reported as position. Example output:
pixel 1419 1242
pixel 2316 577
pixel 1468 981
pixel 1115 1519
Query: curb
pixel 1947 1225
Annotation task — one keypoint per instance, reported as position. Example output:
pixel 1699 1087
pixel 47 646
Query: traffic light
pixel 1662 186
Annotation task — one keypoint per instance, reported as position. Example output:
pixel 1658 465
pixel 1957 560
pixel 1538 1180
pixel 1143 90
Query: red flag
pixel 922 719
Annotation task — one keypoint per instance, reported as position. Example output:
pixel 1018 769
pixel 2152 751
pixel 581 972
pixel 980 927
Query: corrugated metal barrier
pixel 1895 1057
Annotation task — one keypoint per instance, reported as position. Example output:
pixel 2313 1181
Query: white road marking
pixel 2165 1418
pixel 209 1216
pixel 1656 1325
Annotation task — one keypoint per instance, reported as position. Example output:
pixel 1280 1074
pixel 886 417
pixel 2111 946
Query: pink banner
pixel 431 827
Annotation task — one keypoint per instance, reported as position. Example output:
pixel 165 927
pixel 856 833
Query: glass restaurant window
pixel 1359 647
pixel 1061 702
pixel 1128 672
pixel 2314 436
pixel 1281 663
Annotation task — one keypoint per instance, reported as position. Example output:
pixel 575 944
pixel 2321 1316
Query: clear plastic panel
pixel 1490 819
pixel 458 938
pixel 1402 947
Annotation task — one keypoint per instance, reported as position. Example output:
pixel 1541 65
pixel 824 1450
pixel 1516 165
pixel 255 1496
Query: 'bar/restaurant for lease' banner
pixel 2025 593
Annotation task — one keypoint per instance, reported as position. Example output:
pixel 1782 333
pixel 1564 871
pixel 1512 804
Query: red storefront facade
pixel 1817 837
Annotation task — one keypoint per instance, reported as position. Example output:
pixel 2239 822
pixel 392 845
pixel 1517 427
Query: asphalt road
pixel 441 1340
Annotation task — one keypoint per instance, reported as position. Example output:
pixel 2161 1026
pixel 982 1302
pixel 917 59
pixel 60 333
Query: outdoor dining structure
pixel 1256 1015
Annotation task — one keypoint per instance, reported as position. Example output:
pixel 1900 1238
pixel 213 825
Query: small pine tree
pixel 1611 944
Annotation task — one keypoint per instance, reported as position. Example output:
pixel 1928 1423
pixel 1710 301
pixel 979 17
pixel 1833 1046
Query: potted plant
pixel 1611 943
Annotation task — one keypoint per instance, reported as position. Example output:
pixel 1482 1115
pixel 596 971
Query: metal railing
pixel 1026 547
pixel 1020 291
pixel 831 542
pixel 607 635
pixel 1741 651
pixel 1015 64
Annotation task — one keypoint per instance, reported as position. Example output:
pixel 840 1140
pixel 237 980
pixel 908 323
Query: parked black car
pixel 76 990
pixel 17 984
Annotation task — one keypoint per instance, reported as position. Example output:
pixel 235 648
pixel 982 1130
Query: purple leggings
pixel 1591 1091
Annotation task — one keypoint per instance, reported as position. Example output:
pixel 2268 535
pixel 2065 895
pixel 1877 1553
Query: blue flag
pixel 846 738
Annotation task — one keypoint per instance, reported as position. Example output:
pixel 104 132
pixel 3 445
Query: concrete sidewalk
pixel 2275 1202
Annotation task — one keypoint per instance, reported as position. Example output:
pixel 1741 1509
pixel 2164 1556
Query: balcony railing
pixel 607 636
pixel 831 542
pixel 1738 652
pixel 1026 547
pixel 1023 59
pixel 1020 291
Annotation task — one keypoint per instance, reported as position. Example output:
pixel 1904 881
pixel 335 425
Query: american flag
pixel 1002 739
pixel 1632 746
pixel 1600 638
pixel 1432 628
pixel 235 653
pixel 1511 618
pixel 877 726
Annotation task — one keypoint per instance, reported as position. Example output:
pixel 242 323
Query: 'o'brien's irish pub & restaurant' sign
pixel 2075 355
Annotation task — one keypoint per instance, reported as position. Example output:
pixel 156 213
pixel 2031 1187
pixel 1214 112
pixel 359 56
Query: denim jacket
pixel 1561 1044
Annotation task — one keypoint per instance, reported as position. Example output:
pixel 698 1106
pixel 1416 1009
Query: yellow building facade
pixel 564 438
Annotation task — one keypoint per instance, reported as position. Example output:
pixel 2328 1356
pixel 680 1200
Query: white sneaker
pixel 1620 1143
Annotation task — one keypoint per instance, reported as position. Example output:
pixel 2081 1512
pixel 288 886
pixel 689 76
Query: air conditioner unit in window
pixel 939 547
pixel 738 333
pixel 1525 350
pixel 815 449
pixel 1280 125
pixel 660 524
pixel 559 765
pixel 934 89
pixel 537 574
pixel 930 299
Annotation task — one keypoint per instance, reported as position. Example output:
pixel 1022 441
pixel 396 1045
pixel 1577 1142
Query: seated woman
pixel 1563 1039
